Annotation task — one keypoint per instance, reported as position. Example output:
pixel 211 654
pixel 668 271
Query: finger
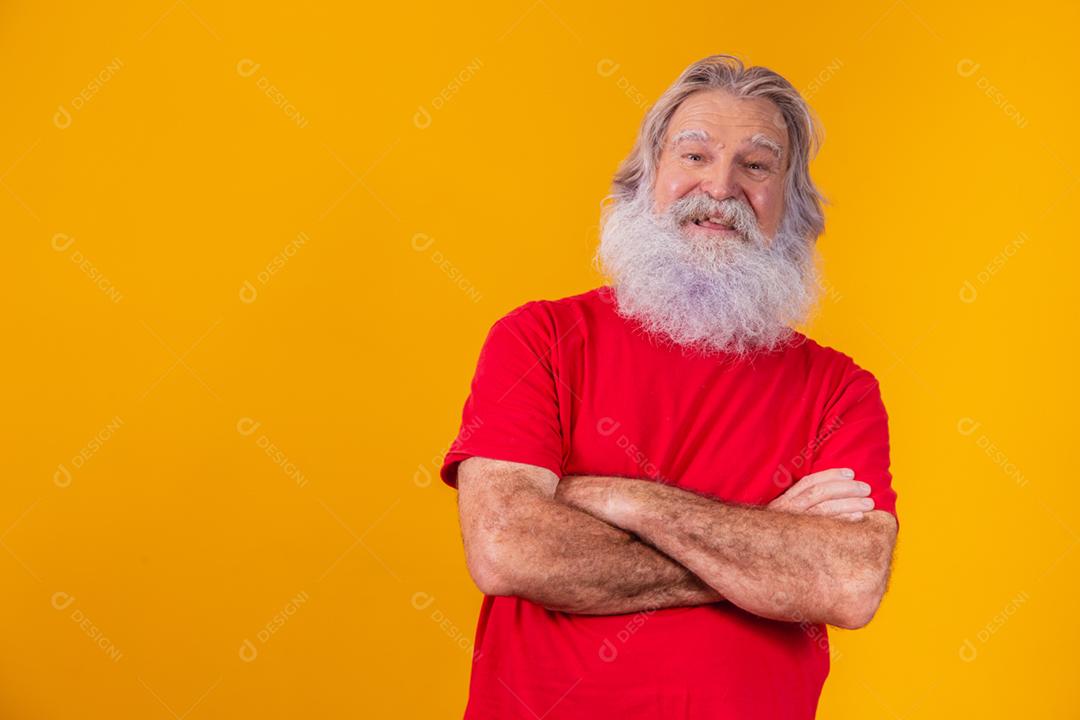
pixel 784 501
pixel 795 501
pixel 822 476
pixel 842 506
pixel 831 490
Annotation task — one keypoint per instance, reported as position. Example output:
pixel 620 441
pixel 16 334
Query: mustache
pixel 731 211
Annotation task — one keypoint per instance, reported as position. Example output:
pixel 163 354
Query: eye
pixel 757 166
pixel 694 157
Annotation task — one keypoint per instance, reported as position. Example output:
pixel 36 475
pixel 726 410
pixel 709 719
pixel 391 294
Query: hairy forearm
pixel 567 560
pixel 778 565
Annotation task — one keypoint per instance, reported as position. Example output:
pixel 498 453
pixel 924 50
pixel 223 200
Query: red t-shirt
pixel 570 386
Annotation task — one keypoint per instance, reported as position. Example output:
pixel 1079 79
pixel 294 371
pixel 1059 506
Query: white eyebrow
pixel 767 142
pixel 685 135
pixel 759 139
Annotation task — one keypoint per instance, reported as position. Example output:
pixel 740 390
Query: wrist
pixel 611 499
pixel 637 506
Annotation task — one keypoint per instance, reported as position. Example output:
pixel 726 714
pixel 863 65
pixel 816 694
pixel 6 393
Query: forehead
pixel 727 118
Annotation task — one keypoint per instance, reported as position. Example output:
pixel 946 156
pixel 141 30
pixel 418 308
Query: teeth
pixel 714 220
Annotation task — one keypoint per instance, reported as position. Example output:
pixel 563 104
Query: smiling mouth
pixel 714 224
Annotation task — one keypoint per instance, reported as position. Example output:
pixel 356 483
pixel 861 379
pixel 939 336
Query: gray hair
pixel 803 202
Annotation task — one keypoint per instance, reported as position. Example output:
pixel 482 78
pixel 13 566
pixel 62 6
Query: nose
pixel 719 180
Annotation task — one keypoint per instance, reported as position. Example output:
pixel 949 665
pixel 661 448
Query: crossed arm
pixel 601 545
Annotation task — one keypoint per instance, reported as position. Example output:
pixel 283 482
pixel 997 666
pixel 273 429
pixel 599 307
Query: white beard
pixel 735 295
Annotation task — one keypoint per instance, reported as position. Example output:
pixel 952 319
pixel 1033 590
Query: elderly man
pixel 666 491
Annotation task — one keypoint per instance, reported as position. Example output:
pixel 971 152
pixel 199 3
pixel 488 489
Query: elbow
pixel 861 595
pixel 855 617
pixel 858 607
pixel 487 568
pixel 489 580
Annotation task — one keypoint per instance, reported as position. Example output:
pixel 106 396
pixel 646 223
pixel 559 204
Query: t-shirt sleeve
pixel 855 433
pixel 512 411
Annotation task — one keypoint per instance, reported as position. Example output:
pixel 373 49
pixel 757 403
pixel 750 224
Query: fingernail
pixel 864 486
pixel 868 502
pixel 848 473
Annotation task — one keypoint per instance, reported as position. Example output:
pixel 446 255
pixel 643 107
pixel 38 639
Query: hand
pixel 828 492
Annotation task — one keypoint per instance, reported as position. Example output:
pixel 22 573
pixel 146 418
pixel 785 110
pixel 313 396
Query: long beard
pixel 735 295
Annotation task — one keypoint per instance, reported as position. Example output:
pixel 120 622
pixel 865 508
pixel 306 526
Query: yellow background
pixel 402 175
